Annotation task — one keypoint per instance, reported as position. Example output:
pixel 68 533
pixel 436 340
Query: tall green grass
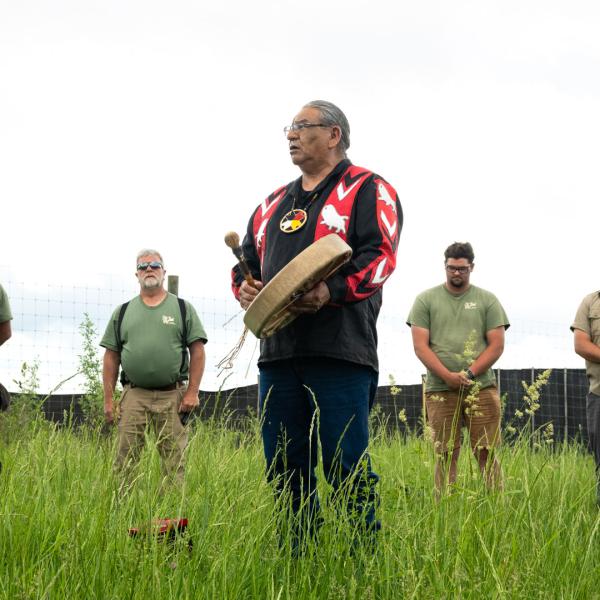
pixel 63 526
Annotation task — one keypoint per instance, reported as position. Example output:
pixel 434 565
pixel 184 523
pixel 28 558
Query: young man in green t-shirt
pixel 458 334
pixel 146 339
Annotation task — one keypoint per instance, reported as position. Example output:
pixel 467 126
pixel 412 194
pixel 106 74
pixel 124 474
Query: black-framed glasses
pixel 149 265
pixel 300 126
pixel 454 269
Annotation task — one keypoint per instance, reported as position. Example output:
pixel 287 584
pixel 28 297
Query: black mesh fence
pixel 401 407
pixel 562 400
pixel 232 407
pixel 562 403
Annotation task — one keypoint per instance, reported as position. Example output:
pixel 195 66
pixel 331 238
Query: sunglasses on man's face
pixel 149 265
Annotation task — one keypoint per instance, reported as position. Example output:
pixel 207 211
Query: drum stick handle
pixel 233 241
pixel 246 272
pixel 244 268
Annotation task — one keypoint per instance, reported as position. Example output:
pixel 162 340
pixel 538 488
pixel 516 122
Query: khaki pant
pixel 448 413
pixel 140 408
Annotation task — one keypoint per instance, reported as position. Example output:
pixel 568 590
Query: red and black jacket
pixel 364 210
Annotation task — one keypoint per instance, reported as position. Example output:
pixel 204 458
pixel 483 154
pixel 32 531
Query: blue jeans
pixel 303 398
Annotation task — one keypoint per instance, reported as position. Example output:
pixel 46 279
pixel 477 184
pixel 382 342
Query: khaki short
pixel 448 413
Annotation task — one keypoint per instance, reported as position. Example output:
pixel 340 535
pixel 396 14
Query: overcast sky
pixel 128 124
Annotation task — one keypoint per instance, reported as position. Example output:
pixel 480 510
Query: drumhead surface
pixel 269 311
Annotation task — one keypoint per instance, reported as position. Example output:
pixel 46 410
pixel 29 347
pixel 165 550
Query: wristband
pixel 470 374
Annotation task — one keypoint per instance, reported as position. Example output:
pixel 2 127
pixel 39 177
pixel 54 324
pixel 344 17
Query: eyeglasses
pixel 461 270
pixel 149 265
pixel 299 126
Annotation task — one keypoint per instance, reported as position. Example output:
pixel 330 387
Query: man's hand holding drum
pixel 248 292
pixel 313 300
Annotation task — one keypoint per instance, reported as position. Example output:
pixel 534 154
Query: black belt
pixel 164 388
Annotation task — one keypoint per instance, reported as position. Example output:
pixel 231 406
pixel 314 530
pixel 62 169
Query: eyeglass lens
pixel 152 265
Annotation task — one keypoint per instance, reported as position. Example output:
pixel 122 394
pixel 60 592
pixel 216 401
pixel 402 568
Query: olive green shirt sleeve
pixel 195 329
pixel 419 313
pixel 582 320
pixel 5 314
pixel 495 315
pixel 109 339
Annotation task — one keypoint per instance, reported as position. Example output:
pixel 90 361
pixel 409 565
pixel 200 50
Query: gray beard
pixel 150 283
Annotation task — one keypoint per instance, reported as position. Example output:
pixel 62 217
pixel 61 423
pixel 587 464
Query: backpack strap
pixel 124 378
pixel 118 325
pixel 184 349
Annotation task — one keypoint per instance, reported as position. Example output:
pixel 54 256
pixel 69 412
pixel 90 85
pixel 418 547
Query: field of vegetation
pixel 64 527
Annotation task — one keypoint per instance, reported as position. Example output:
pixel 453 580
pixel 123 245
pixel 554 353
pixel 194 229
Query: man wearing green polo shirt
pixel 5 317
pixel 458 334
pixel 149 339
pixel 586 329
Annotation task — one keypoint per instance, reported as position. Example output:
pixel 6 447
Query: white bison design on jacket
pixel 333 220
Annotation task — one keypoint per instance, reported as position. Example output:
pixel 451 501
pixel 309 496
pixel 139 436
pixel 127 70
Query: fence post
pixel 498 383
pixel 565 371
pixel 173 284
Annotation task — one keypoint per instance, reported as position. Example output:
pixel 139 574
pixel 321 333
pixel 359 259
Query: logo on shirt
pixel 333 220
pixel 168 320
pixel 470 305
pixel 384 196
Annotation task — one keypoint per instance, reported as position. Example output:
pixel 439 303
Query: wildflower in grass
pixel 533 391
pixel 428 433
pixel 473 412
pixel 510 429
pixel 394 389
pixel 548 434
pixel 402 416
pixel 471 400
pixel 531 400
pixel 503 401
pixel 469 353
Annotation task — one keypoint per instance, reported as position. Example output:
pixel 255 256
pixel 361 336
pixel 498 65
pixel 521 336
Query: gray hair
pixel 332 115
pixel 148 252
